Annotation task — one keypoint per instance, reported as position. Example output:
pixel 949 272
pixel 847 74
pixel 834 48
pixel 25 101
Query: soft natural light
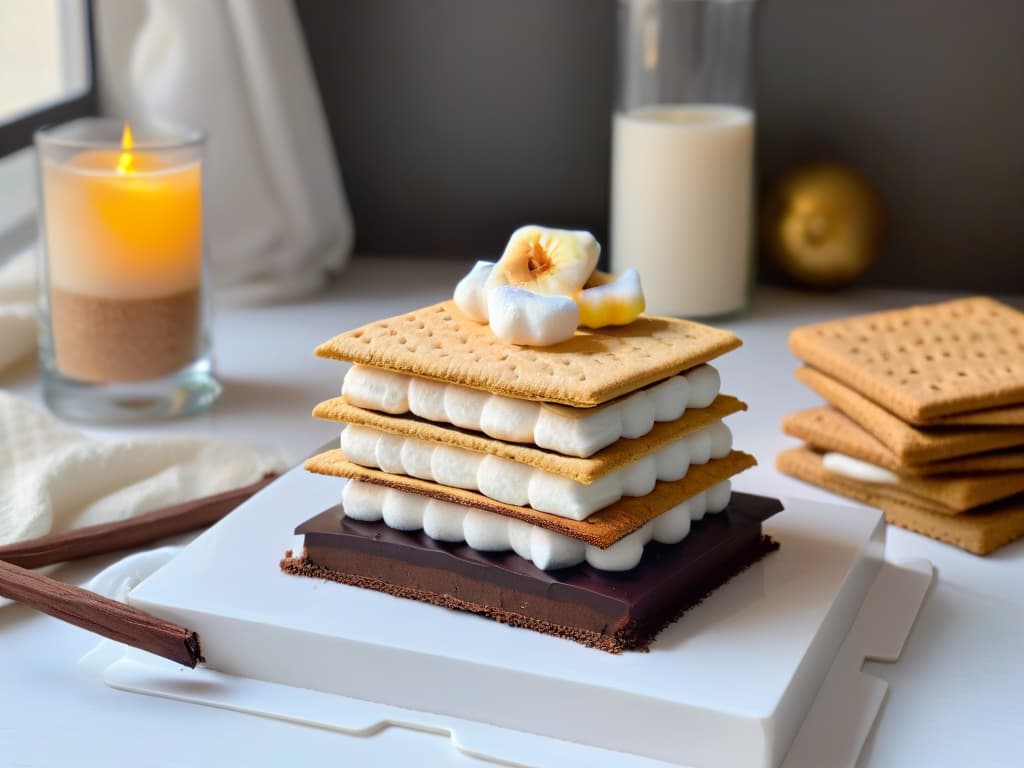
pixel 43 54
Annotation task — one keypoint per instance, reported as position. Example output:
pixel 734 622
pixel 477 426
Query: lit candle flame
pixel 126 164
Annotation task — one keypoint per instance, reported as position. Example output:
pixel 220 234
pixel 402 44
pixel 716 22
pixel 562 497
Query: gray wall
pixel 457 120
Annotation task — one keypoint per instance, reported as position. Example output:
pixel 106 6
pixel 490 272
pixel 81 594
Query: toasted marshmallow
pixel 618 302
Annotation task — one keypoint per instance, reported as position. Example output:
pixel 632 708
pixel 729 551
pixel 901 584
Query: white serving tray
pixel 728 684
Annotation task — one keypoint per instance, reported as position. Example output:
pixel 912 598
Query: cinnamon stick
pixel 95 613
pixel 124 534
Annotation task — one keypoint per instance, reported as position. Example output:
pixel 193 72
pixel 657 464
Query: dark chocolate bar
pixel 613 611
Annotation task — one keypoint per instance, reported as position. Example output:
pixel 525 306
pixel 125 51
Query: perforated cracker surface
pixel 924 362
pixel 440 343
pixel 913 445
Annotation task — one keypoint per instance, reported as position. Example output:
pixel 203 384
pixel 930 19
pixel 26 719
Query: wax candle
pixel 124 224
pixel 124 248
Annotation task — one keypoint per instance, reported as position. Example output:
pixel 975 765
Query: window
pixel 46 76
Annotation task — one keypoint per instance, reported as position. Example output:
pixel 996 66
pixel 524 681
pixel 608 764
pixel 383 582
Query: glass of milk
pixel 683 154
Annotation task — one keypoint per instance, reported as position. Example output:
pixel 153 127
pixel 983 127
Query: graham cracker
pixel 980 531
pixel 912 445
pixel 602 529
pixel 596 365
pixel 953 494
pixel 828 429
pixel 1005 416
pixel 927 361
pixel 617 455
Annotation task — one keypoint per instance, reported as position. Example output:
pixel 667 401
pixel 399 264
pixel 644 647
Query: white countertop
pixel 955 697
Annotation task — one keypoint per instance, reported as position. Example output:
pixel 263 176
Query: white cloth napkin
pixel 54 479
pixel 17 309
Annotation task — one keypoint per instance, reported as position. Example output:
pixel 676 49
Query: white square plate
pixel 728 684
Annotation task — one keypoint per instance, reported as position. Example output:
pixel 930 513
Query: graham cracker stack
pixel 567 464
pixel 925 417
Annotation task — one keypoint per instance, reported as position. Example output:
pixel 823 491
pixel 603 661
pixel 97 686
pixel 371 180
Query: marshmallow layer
pixel 569 431
pixel 522 485
pixel 488 532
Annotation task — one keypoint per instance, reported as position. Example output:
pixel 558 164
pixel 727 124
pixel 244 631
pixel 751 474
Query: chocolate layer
pixel 612 611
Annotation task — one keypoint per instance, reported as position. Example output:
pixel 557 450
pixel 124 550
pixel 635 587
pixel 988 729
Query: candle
pixel 124 253
pixel 124 225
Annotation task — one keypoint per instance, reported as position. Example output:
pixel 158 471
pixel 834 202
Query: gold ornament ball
pixel 822 224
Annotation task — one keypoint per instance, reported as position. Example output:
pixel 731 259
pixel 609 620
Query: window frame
pixel 17 134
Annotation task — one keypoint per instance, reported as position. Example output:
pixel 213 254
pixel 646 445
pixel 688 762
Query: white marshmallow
pixel 698 506
pixel 673 461
pixel 504 480
pixel 402 511
pixel 363 501
pixel 638 417
pixel 444 521
pixel 848 466
pixel 469 293
pixel 463 407
pixel 426 399
pixel 417 457
pixel 519 316
pixel 360 445
pixel 550 550
pixel 718 496
pixel 376 389
pixel 699 446
pixel 456 467
pixel 565 497
pixel 514 483
pixel 623 554
pixel 705 384
pixel 721 440
pixel 639 478
pixel 486 531
pixel 573 432
pixel 583 437
pixel 674 525
pixel 506 418
pixel 389 453
pixel 670 398
pixel 519 534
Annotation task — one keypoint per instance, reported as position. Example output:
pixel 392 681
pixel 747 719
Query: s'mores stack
pixel 925 418
pixel 581 488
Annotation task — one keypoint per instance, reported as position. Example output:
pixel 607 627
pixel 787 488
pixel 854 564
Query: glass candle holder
pixel 683 154
pixel 122 306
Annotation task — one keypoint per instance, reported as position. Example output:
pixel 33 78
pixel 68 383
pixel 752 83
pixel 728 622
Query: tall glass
pixel 122 304
pixel 683 153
